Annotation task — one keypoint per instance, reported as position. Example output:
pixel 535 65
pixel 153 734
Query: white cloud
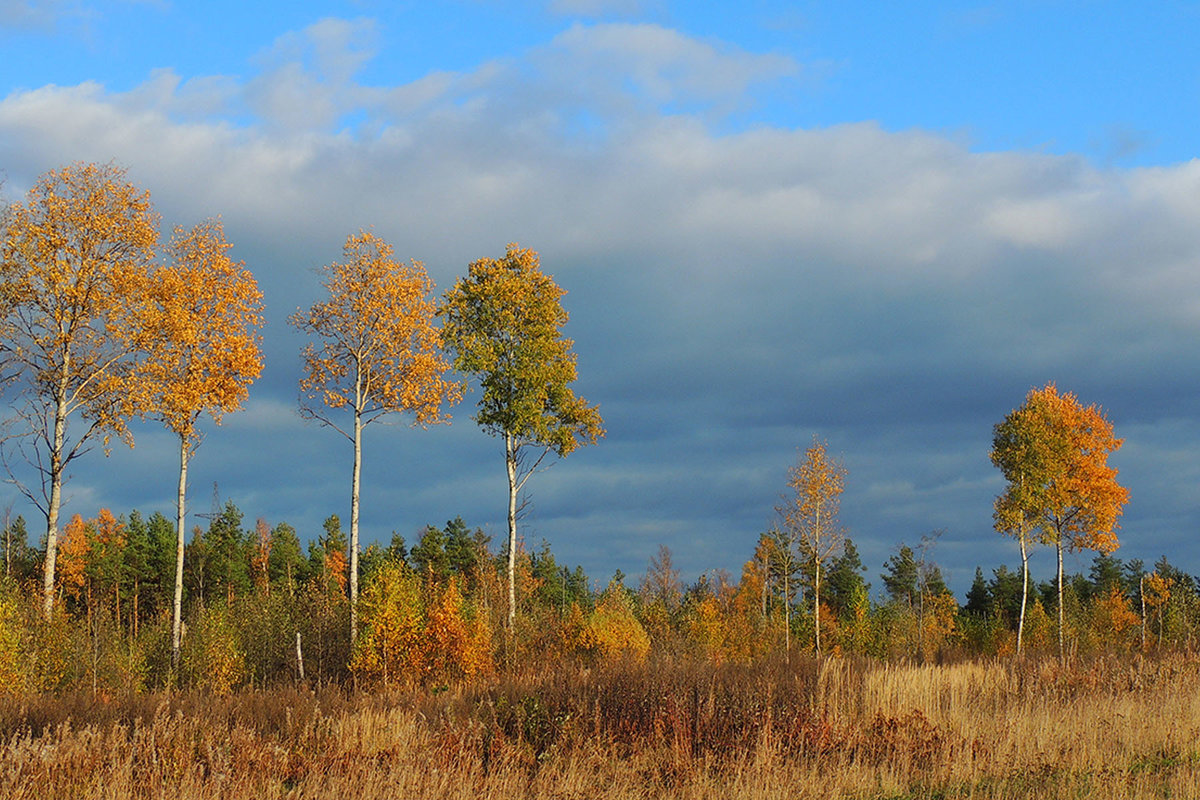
pixel 36 14
pixel 335 49
pixel 664 66
pixel 307 81
pixel 598 8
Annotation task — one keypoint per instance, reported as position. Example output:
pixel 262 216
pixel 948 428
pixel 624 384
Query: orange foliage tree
pixel 91 559
pixel 459 643
pixel 1112 617
pixel 748 634
pixel 75 543
pixel 811 514
pixel 74 264
pixel 503 324
pixel 1057 454
pixel 204 352
pixel 378 353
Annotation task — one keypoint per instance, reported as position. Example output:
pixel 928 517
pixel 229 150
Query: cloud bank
pixel 732 291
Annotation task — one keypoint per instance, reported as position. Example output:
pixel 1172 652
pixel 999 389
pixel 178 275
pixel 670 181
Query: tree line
pixel 98 329
pixel 264 606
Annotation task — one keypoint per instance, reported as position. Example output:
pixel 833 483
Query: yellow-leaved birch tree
pixel 503 323
pixel 74 270
pixel 811 515
pixel 377 353
pixel 204 352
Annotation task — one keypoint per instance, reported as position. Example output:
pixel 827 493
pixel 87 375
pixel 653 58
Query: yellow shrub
pixel 213 657
pixel 612 630
pixel 391 643
pixel 11 656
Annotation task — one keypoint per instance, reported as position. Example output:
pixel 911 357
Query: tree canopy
pixel 503 323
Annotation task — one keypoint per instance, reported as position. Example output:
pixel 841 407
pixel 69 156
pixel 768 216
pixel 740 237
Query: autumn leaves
pixel 96 330
pixel 1060 490
pixel 380 353
pixel 376 353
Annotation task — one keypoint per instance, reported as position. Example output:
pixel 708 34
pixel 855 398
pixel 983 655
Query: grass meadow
pixel 1109 727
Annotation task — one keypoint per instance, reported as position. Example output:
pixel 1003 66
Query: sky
pixel 876 224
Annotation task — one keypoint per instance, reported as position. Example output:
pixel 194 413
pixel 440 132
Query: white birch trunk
pixel 510 458
pixel 1062 651
pixel 1024 590
pixel 354 491
pixel 817 579
pixel 787 616
pixel 817 602
pixel 55 499
pixel 180 533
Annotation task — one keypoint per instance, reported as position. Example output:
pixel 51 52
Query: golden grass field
pixel 840 728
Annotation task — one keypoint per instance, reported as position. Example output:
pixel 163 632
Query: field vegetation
pixel 658 690
pixel 1119 727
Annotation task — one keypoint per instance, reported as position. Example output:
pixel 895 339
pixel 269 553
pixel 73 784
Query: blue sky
pixel 876 223
pixel 1107 80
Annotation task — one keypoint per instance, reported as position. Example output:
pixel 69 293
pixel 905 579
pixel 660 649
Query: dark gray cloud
pixel 732 293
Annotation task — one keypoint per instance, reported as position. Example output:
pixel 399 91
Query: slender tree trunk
pixel 817 600
pixel 787 615
pixel 765 586
pixel 1024 590
pixel 180 518
pixel 354 490
pixel 1142 595
pixel 1062 652
pixel 921 618
pixel 510 458
pixel 816 547
pixel 55 499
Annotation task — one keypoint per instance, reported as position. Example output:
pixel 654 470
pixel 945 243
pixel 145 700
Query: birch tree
pixel 1014 514
pixel 811 515
pixel 781 550
pixel 503 325
pixel 377 353
pixel 204 352
pixel 1055 459
pixel 74 267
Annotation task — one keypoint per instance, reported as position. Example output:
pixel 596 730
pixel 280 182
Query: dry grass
pixel 1106 729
